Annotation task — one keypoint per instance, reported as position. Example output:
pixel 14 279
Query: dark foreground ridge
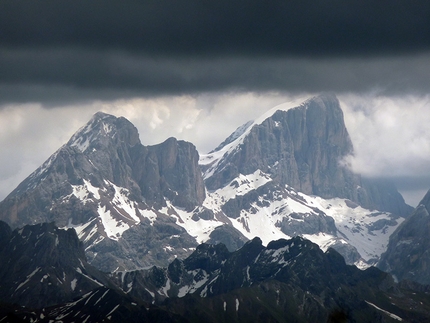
pixel 408 252
pixel 289 280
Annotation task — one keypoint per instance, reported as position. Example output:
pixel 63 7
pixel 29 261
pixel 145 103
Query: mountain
pixel 289 280
pixel 408 252
pixel 283 175
pixel 45 273
pixel 110 188
pixel 303 146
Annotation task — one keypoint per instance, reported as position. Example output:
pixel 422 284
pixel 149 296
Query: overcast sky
pixel 197 69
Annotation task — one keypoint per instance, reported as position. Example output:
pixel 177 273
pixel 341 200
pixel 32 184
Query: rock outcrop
pixel 43 265
pixel 303 147
pixel 104 182
pixel 408 253
pixel 107 149
pixel 45 277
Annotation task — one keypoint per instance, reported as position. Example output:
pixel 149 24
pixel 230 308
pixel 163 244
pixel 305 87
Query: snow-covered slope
pixel 277 213
pixel 265 200
pixel 359 234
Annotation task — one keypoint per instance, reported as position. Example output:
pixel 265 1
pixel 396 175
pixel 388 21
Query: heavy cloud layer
pixel 198 69
pixel 74 50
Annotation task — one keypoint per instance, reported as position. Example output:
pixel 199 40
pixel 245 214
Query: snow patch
pixel 73 284
pixel 357 225
pixel 394 316
pixel 200 229
pixel 28 278
pixel 114 228
pixel 237 187
pixel 85 192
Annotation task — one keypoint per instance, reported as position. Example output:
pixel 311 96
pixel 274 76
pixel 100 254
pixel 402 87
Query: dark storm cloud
pixel 62 50
pixel 304 27
pixel 60 76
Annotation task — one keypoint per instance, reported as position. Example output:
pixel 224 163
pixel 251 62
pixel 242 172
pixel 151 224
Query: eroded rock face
pixel 134 205
pixel 103 183
pixel 301 147
pixel 170 170
pixel 107 150
pixel 304 147
pixel 408 253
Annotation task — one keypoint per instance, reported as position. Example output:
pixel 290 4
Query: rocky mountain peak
pixel 103 129
pixel 289 280
pixel 134 205
pixel 300 145
pixel 104 183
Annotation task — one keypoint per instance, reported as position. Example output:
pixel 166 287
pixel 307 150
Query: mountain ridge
pixel 301 146
pixel 134 205
pixel 104 182
pixel 288 280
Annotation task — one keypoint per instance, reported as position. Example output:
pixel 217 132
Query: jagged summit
pixel 135 206
pixel 48 279
pixel 44 266
pixel 104 125
pixel 104 183
pixel 300 143
pixel 292 154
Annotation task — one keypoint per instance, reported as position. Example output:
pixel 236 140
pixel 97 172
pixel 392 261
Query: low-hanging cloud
pixel 390 134
pixel 391 140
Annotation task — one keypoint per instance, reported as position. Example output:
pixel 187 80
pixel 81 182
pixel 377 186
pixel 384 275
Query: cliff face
pixel 111 188
pixel 134 206
pixel 304 147
pixel 169 170
pixel 107 151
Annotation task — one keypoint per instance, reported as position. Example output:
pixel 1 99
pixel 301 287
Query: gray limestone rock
pixel 103 169
pixel 305 147
pixel 106 150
